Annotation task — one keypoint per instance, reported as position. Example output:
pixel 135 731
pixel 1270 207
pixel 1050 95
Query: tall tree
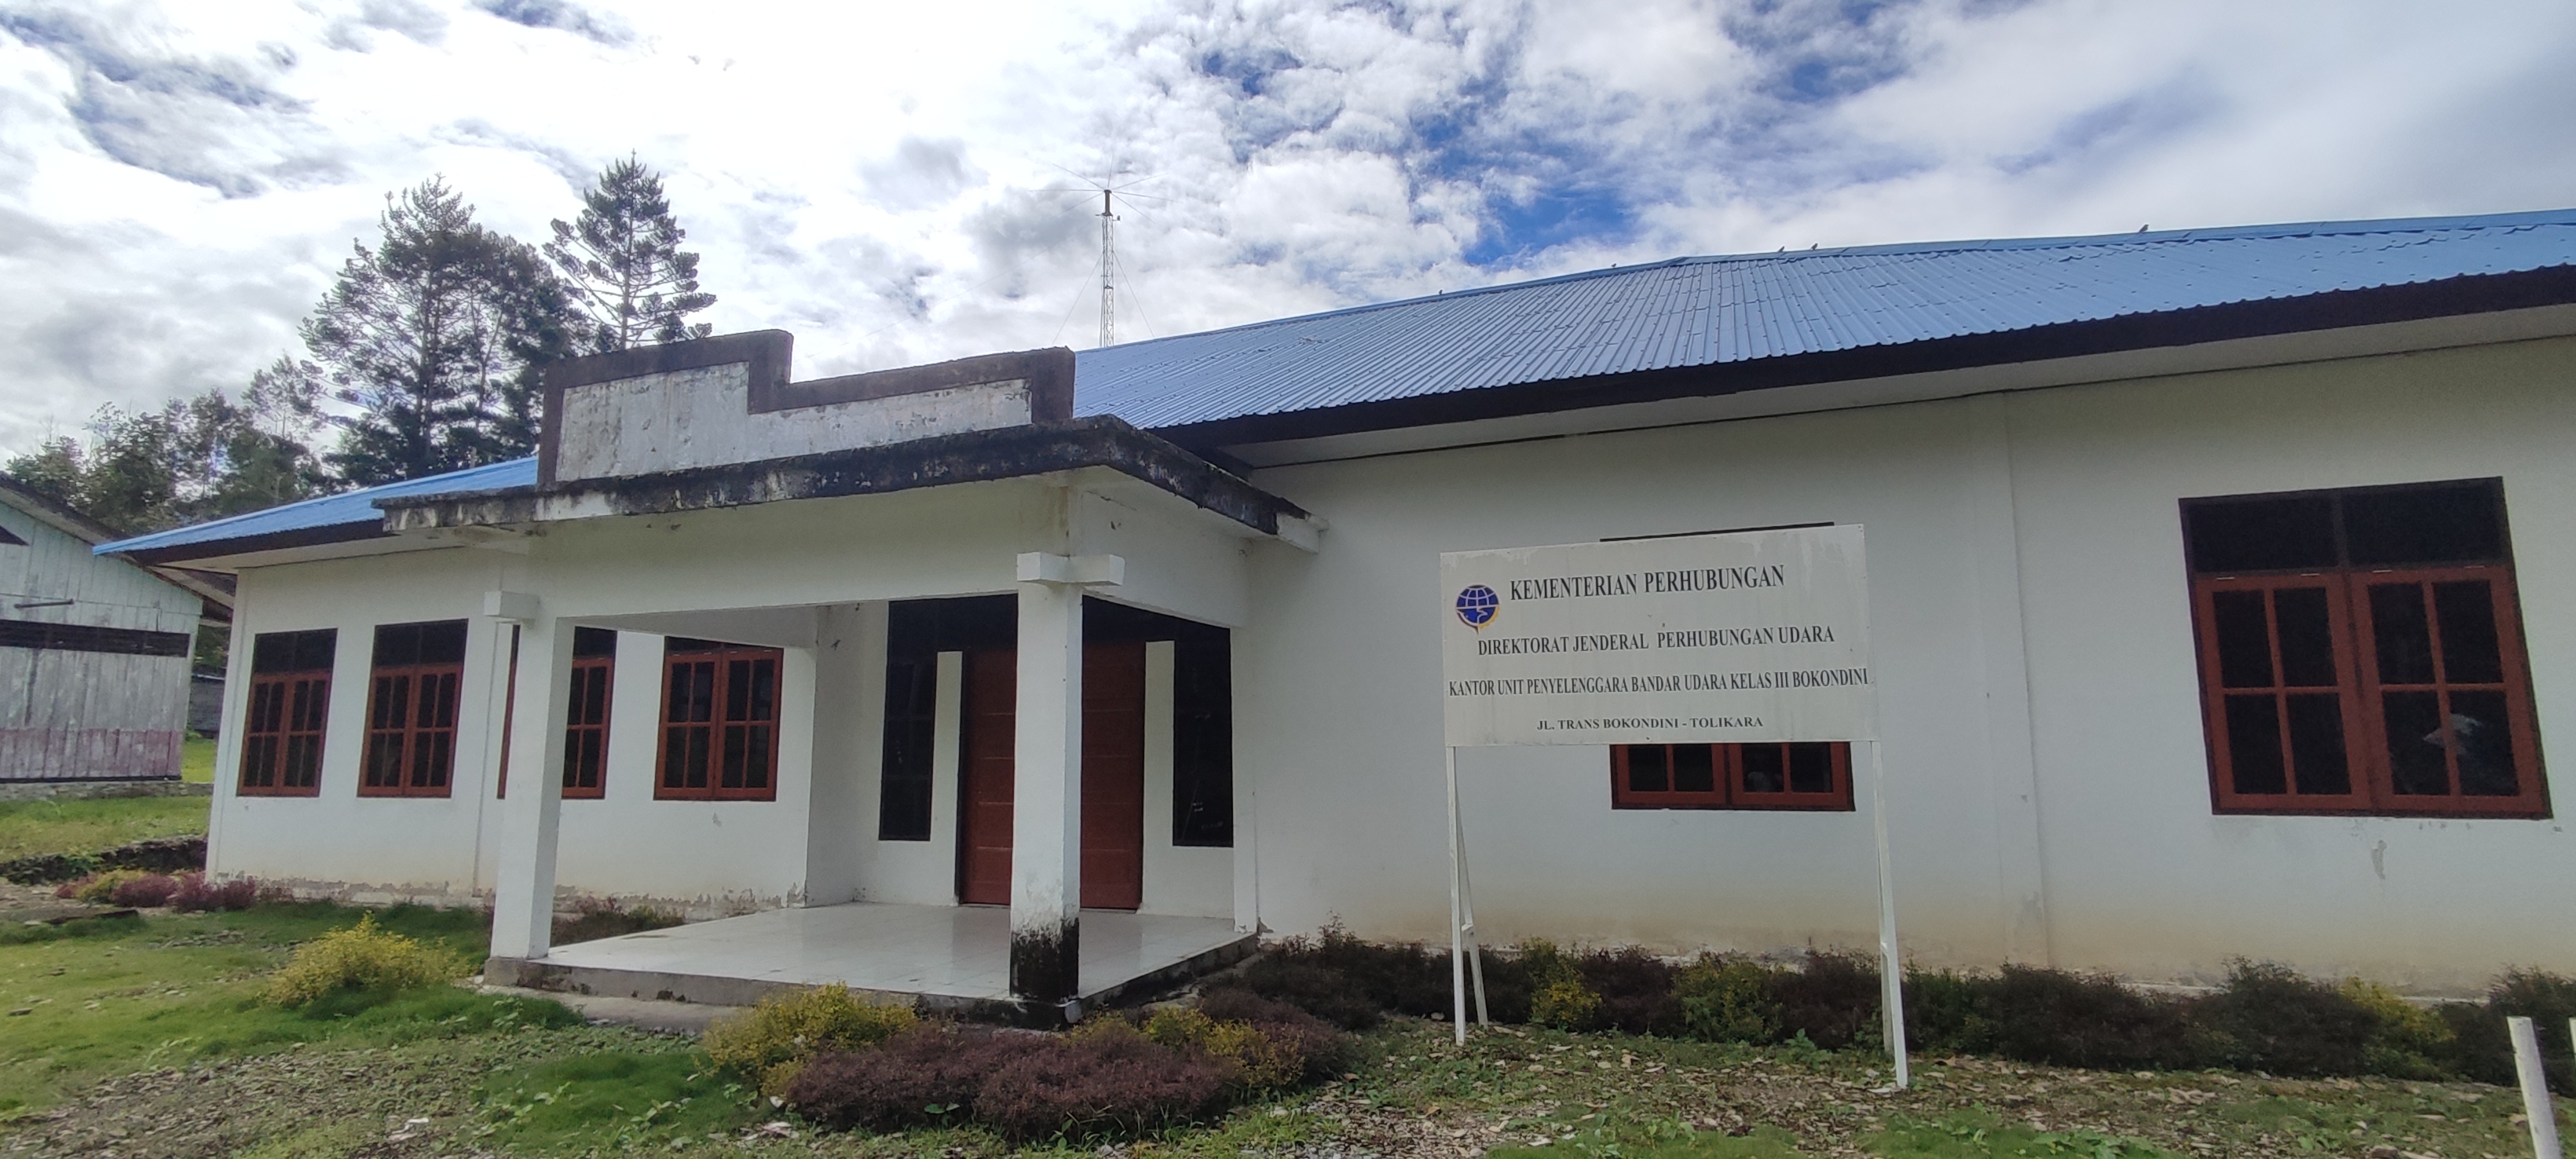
pixel 435 337
pixel 622 263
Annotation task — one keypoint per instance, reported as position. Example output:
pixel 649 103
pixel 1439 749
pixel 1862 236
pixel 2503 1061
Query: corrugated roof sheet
pixel 1712 310
pixel 347 508
pixel 1684 312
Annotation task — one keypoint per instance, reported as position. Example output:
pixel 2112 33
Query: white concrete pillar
pixel 1046 800
pixel 523 894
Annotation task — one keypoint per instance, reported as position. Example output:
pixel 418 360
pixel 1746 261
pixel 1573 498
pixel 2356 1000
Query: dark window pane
pixel 2448 523
pixel 903 777
pixel 589 643
pixel 2415 764
pixel 2244 640
pixel 442 642
pixel 1646 772
pixel 2260 534
pixel 1202 738
pixel 276 652
pixel 2482 739
pixel 733 758
pixel 699 738
pixel 738 690
pixel 764 689
pixel 397 645
pixel 702 691
pixel 2470 652
pixel 756 758
pixel 1764 770
pixel 675 757
pixel 1811 768
pixel 2316 744
pixel 2254 745
pixel 2400 635
pixel 2307 637
pixel 1694 768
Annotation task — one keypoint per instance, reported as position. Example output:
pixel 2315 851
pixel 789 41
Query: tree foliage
pixel 435 338
pixel 622 265
pixel 197 458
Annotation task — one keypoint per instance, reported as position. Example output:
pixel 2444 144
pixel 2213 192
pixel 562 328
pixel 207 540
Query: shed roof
pixel 1686 313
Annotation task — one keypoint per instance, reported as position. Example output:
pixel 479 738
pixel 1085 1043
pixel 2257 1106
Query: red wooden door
pixel 992 689
pixel 1113 777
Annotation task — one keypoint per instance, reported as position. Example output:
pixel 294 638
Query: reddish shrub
pixel 145 892
pixel 1636 990
pixel 928 1074
pixel 194 893
pixel 1322 1048
pixel 1100 1084
pixel 1833 1001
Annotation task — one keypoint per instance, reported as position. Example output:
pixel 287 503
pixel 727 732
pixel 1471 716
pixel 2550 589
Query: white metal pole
pixel 1457 918
pixel 1891 968
pixel 1467 901
pixel 2535 1087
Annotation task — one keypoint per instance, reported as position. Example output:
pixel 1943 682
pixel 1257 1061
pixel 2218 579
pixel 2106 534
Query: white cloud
pixel 178 182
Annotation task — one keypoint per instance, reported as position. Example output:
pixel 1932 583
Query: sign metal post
pixel 1727 638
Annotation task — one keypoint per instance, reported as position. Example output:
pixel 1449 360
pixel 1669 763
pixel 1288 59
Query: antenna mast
pixel 1108 272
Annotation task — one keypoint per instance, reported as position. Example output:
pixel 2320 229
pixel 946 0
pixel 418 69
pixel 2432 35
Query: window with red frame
pixel 411 709
pixel 594 667
pixel 290 698
pixel 719 722
pixel 1808 775
pixel 2361 653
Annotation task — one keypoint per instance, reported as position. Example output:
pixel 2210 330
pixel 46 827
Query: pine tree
pixel 622 264
pixel 436 337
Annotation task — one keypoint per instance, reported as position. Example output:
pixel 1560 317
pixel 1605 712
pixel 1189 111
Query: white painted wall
pixel 2048 793
pixel 702 418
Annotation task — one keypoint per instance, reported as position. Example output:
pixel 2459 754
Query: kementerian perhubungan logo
pixel 1478 605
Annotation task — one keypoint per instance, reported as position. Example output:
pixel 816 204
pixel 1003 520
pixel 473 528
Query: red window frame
pixel 594 674
pixel 1739 776
pixel 414 685
pixel 290 703
pixel 2376 684
pixel 719 722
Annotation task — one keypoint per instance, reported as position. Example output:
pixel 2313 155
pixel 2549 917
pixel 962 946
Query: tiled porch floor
pixel 958 952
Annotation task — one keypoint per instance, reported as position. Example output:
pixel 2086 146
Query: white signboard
pixel 1748 636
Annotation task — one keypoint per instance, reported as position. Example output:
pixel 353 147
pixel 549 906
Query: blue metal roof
pixel 1696 311
pixel 347 508
pixel 1704 311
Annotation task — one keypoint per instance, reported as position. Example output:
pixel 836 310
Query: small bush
pixel 145 892
pixel 1636 990
pixel 196 895
pixel 1558 995
pixel 927 1074
pixel 1833 1000
pixel 1263 1057
pixel 361 957
pixel 2270 1017
pixel 2407 1040
pixel 2484 1051
pixel 98 887
pixel 1945 1012
pixel 772 1040
pixel 1727 998
pixel 1111 1082
pixel 1320 1049
pixel 2053 1016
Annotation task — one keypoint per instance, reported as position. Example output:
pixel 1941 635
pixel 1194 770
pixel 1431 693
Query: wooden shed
pixel 94 650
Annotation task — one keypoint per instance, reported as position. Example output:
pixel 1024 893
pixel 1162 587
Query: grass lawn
pixel 147 1036
pixel 33 827
pixel 197 760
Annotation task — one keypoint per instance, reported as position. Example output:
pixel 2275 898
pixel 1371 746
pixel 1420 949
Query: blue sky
pixel 179 181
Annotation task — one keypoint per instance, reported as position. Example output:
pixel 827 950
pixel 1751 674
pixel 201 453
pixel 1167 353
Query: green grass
pixel 1759 1143
pixel 1977 1134
pixel 197 760
pixel 106 997
pixel 623 1099
pixel 28 828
